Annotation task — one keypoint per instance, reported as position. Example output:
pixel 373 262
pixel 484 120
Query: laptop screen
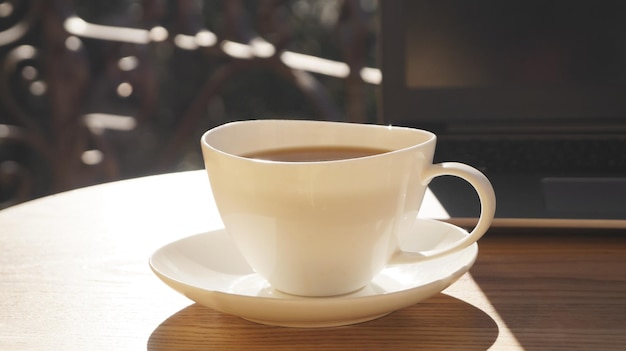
pixel 533 93
pixel 452 61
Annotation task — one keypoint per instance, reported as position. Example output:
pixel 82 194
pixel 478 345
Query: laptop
pixel 532 93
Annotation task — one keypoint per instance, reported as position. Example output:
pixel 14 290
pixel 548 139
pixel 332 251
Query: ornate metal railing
pixel 94 91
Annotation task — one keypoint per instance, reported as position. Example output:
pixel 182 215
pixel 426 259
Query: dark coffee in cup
pixel 315 153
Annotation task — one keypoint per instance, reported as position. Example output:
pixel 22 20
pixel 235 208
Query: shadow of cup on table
pixel 439 323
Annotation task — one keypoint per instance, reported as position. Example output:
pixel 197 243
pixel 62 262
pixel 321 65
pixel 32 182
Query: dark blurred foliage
pixel 52 80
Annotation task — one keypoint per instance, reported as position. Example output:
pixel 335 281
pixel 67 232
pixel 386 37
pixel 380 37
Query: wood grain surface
pixel 74 276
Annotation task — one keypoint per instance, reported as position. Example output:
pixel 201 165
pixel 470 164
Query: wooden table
pixel 74 276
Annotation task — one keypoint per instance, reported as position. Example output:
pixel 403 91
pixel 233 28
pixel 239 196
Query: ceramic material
pixel 209 269
pixel 326 228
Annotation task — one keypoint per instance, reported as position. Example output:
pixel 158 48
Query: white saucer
pixel 208 269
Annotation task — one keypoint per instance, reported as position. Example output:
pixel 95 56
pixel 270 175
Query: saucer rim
pixel 234 303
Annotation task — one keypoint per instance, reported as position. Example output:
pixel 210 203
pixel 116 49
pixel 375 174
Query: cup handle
pixel 487 198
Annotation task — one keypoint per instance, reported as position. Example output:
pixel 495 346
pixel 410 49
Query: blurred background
pixel 96 91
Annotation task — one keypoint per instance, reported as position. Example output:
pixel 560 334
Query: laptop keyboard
pixel 539 154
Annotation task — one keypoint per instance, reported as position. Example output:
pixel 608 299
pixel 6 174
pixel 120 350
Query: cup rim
pixel 430 137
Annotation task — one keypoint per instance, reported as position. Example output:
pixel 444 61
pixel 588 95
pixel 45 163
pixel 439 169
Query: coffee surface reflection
pixel 314 153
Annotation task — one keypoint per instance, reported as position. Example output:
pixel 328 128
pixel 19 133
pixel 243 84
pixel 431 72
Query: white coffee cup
pixel 324 228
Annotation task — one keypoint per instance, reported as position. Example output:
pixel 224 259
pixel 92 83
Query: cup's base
pixel 279 291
